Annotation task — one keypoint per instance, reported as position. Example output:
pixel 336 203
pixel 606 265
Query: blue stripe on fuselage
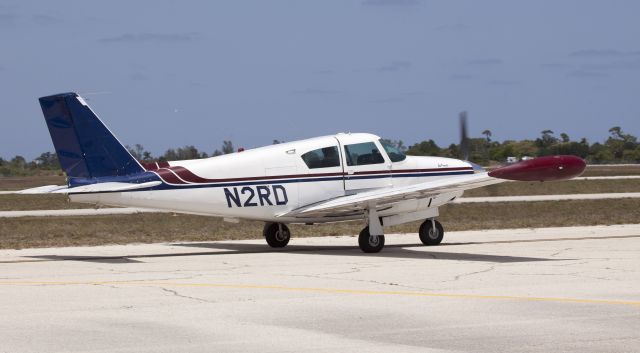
pixel 145 177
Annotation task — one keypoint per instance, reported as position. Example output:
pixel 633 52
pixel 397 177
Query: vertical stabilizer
pixel 85 146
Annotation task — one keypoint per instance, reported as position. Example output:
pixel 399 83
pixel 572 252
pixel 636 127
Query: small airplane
pixel 342 177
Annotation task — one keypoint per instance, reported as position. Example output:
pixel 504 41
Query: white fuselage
pixel 263 183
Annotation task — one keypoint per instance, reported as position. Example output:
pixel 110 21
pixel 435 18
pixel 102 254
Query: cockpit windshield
pixel 395 154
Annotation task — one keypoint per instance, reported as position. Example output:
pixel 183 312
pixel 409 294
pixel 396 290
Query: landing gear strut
pixel 276 234
pixel 371 238
pixel 431 232
pixel 370 243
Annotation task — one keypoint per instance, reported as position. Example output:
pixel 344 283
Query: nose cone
pixel 542 169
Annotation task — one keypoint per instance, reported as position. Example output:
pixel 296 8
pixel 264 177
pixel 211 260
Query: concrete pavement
pixel 529 290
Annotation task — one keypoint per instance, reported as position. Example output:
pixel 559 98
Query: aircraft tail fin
pixel 85 146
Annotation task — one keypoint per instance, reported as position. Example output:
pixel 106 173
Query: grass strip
pixel 151 228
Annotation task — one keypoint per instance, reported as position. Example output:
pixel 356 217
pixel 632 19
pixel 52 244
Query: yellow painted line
pixel 335 291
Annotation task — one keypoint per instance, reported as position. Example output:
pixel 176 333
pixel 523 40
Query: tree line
pixel 47 162
pixel 619 147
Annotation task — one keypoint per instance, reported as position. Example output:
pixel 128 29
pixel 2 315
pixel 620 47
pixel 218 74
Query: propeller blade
pixel 464 139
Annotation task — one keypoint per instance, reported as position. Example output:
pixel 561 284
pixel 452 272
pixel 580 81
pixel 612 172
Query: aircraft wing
pixel 538 169
pixel 99 187
pixel 381 198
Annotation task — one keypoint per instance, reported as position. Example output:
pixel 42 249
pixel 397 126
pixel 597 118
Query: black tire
pixel 429 235
pixel 275 239
pixel 369 245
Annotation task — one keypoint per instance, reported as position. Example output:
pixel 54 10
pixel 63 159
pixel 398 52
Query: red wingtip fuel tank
pixel 542 169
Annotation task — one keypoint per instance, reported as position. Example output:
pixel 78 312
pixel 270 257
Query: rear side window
pixel 322 158
pixel 363 154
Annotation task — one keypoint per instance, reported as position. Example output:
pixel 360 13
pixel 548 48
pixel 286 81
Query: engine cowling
pixel 547 168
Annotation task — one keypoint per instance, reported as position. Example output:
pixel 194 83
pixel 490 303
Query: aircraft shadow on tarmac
pixel 400 251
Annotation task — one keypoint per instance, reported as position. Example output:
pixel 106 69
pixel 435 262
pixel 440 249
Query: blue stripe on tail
pixel 85 146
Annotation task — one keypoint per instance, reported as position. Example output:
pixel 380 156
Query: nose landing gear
pixel 276 234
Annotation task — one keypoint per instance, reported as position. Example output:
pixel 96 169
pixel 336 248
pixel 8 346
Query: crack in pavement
pixel 112 286
pixel 584 262
pixel 175 293
pixel 355 270
pixel 572 274
pixel 560 252
pixel 619 269
pixel 457 277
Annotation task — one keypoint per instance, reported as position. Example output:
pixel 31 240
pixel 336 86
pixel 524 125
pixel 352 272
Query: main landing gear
pixel 276 234
pixel 431 233
pixel 370 243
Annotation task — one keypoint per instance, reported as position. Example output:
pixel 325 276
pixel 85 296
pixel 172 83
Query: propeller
pixel 464 142
pixel 464 138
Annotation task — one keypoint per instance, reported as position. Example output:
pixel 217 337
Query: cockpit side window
pixel 394 153
pixel 322 158
pixel 363 154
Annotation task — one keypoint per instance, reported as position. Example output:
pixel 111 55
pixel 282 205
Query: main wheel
pixel 276 234
pixel 370 243
pixel 430 235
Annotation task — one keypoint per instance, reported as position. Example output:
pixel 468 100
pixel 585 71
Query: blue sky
pixel 171 73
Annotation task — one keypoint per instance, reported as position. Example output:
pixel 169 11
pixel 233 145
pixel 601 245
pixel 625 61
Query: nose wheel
pixel 370 243
pixel 431 232
pixel 277 235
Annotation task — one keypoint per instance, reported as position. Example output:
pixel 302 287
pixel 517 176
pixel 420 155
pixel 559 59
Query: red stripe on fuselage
pixel 182 175
pixel 150 166
pixel 187 175
pixel 168 176
pixel 190 177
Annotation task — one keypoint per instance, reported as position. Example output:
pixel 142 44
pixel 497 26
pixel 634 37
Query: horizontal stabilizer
pixel 100 187
pixel 41 189
pixel 108 187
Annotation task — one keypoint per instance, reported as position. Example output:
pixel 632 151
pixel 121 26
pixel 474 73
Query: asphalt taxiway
pixel 527 290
